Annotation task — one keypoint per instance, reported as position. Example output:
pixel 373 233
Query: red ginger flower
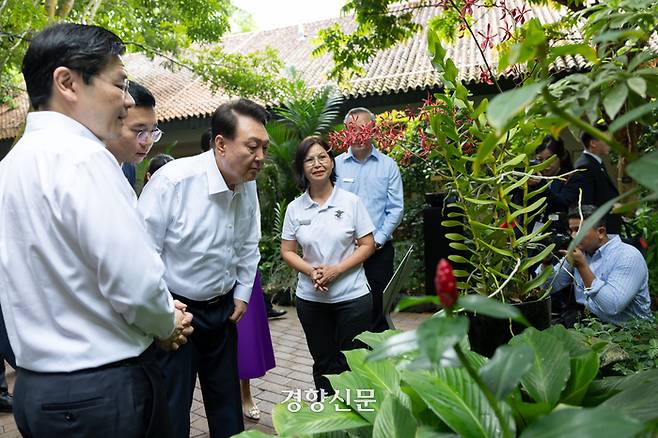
pixel 445 284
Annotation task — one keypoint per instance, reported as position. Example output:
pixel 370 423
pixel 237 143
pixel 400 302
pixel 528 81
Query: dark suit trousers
pixel 210 352
pixel 330 328
pixel 379 271
pixel 122 401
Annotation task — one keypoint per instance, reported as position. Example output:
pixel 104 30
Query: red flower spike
pixel 445 284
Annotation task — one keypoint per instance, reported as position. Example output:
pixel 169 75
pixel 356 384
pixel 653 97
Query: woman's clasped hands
pixel 323 276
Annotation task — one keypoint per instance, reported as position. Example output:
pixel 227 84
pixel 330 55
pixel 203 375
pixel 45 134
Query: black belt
pixel 147 355
pixel 213 302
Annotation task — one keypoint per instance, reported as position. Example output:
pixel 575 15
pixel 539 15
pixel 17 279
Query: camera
pixel 560 236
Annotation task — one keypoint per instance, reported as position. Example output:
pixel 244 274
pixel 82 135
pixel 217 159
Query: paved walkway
pixel 293 371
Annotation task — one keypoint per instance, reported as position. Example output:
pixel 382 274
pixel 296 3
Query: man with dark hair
pixel 203 216
pixel 610 277
pixel 594 181
pixel 375 178
pixel 80 284
pixel 139 133
pixel 272 313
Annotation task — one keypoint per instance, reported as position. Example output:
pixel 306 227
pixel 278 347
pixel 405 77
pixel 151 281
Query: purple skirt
pixel 255 353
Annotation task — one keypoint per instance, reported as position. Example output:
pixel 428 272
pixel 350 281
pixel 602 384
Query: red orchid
pixel 445 284
pixel 487 41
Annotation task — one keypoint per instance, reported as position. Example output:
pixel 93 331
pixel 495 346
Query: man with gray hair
pixel 375 178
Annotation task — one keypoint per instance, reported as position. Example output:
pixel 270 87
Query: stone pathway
pixel 293 371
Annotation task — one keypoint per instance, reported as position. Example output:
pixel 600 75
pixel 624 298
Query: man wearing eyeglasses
pixel 81 286
pixel 139 133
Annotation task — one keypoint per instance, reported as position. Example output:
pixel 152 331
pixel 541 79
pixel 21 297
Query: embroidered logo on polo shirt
pixel 339 214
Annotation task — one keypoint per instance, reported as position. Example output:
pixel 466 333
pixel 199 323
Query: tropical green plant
pixel 426 383
pixel 186 33
pixel 632 347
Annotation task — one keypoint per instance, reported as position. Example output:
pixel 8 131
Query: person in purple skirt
pixel 255 353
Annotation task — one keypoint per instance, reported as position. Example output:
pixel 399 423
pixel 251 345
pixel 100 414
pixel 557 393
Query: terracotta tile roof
pixel 399 69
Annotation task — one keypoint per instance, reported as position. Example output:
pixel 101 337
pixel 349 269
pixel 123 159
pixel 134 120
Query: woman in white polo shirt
pixel 334 230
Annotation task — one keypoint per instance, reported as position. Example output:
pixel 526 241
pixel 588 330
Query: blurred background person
pixel 156 162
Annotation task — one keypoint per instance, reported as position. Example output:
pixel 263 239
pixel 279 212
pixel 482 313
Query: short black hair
pixel 586 137
pixel 300 156
pixel 587 210
pixel 157 162
pixel 80 47
pixel 224 120
pixel 556 147
pixel 206 138
pixel 141 95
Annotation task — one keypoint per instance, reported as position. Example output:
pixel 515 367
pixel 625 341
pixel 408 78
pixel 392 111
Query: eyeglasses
pixel 322 159
pixel 155 135
pixel 123 87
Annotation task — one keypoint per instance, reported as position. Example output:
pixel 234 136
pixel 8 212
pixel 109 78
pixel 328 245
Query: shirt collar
pixel 308 202
pixel 216 182
pixel 39 120
pixel 374 153
pixel 599 159
pixel 609 245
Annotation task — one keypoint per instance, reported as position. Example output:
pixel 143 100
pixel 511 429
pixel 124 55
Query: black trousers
pixel 125 400
pixel 210 352
pixel 379 271
pixel 329 329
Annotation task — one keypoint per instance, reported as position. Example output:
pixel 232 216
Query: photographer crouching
pixel 610 277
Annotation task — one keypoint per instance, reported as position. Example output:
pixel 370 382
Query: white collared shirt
pixel 596 157
pixel 327 235
pixel 207 235
pixel 80 284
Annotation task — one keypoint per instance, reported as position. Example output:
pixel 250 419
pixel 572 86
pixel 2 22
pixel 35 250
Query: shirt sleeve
pixel 363 224
pixel 612 296
pixel 248 254
pixel 394 206
pixel 155 205
pixel 561 278
pixel 105 226
pixel 288 231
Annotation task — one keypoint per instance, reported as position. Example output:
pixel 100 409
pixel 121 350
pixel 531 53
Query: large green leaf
pixel 397 345
pixel 355 383
pixel 394 420
pixel 326 420
pixel 643 170
pixel 253 433
pixel 639 396
pixel 436 335
pixel 494 308
pixel 504 371
pixel 550 371
pixel 632 115
pixel 505 106
pixel 412 301
pixel 381 374
pixel 584 423
pixel 615 99
pixel 372 340
pixel 584 369
pixel 457 400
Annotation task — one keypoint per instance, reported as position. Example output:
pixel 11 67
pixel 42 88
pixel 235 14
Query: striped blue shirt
pixel 620 290
pixel 377 181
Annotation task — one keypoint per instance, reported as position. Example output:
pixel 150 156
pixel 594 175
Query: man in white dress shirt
pixel 81 286
pixel 202 213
